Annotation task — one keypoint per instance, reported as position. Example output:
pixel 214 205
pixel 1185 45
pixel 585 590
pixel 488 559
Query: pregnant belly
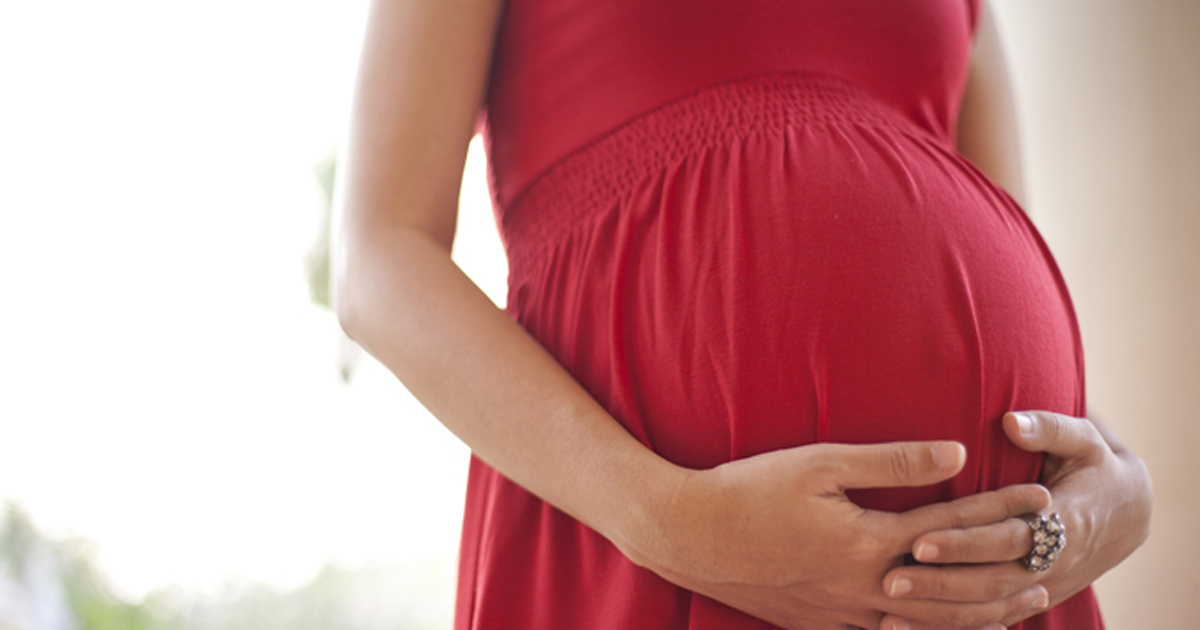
pixel 822 281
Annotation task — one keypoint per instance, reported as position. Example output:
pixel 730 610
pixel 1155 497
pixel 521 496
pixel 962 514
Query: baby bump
pixel 832 279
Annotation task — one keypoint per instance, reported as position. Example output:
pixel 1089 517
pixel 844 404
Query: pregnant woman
pixel 765 318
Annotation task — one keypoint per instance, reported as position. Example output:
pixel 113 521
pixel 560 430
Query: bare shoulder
pixel 422 76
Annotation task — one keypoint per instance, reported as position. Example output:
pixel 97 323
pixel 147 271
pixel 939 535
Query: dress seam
pixel 528 261
pixel 616 129
pixel 605 170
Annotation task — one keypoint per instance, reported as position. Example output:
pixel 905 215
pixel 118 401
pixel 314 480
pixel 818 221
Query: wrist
pixel 1102 534
pixel 1140 501
pixel 641 528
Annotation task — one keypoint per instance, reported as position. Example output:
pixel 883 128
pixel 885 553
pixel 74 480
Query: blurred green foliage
pixel 410 596
pixel 317 261
pixel 63 574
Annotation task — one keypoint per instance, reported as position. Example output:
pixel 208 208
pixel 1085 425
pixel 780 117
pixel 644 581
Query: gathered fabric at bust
pixel 742 227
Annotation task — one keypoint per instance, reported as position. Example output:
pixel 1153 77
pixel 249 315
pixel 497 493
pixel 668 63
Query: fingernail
pixel 1043 599
pixel 901 625
pixel 1024 425
pixel 947 456
pixel 926 552
pixel 900 586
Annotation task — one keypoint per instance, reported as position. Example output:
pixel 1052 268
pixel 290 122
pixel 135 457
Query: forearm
pixel 1132 517
pixel 1134 497
pixel 767 535
pixel 496 388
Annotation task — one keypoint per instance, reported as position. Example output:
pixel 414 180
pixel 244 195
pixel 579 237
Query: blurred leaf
pixel 416 595
pixel 317 260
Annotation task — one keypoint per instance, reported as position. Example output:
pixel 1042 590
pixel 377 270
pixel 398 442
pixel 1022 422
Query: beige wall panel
pixel 1109 94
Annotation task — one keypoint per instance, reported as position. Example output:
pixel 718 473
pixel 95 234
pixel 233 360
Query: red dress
pixel 743 226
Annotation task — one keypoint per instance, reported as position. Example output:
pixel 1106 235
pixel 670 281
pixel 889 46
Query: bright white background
pixel 167 391
pixel 166 388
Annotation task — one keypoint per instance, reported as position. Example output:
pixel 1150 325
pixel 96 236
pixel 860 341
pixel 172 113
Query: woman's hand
pixel 1101 491
pixel 775 536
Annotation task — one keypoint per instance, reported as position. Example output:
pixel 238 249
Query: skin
pixel 808 559
pixel 987 121
pixel 1100 488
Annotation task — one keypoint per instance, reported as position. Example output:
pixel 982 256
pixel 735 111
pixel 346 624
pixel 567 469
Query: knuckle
pixel 984 507
pixel 992 589
pixel 901 463
pixel 963 547
pixel 937 588
pixel 1041 496
pixel 821 465
pixel 1056 427
pixel 1095 446
pixel 952 548
pixel 962 617
pixel 1011 497
pixel 1022 499
pixel 951 516
pixel 1019 539
pixel 959 518
pixel 1016 605
pixel 999 588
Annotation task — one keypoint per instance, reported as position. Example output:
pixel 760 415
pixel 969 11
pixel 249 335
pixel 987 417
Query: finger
pixel 893 465
pixel 998 542
pixel 976 510
pixel 1054 433
pixel 959 583
pixel 921 614
pixel 896 623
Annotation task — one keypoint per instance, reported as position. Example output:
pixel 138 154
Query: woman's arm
pixel 987 122
pixel 754 533
pixel 1102 489
pixel 421 80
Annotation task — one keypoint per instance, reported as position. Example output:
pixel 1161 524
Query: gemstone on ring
pixel 1049 538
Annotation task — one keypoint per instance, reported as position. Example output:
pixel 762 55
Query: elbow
pixel 353 263
pixel 342 290
pixel 349 313
pixel 369 268
pixel 344 311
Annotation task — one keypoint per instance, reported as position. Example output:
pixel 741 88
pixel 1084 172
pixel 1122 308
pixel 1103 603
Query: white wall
pixel 1109 93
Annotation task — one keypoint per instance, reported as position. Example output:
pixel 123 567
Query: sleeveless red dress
pixel 743 226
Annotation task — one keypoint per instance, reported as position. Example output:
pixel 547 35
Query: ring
pixel 1049 538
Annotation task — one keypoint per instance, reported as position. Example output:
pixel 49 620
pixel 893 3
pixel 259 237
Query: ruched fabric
pixel 774 260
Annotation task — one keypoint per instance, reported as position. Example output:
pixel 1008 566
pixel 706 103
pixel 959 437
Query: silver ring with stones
pixel 1049 538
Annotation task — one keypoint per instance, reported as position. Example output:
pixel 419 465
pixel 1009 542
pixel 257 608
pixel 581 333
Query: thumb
pixel 895 464
pixel 1054 433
